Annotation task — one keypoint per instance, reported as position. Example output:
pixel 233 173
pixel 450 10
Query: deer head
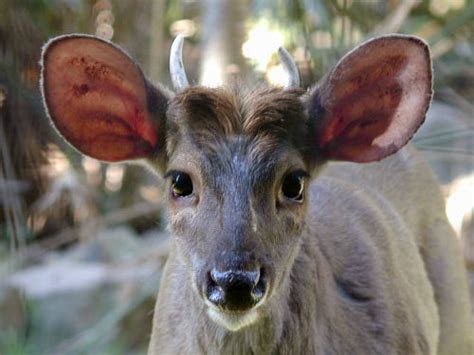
pixel 237 161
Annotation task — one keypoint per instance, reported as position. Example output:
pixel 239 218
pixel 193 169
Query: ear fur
pixel 99 101
pixel 373 101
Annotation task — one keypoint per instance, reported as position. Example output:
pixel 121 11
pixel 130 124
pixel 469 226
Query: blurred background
pixel 82 243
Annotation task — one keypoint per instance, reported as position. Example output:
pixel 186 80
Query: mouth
pixel 233 320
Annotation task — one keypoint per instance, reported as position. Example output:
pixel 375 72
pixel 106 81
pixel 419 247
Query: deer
pixel 301 221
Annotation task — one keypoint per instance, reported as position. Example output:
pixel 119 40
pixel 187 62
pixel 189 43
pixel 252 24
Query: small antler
pixel 177 72
pixel 290 68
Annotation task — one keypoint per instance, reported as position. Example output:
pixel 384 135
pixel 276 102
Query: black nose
pixel 235 290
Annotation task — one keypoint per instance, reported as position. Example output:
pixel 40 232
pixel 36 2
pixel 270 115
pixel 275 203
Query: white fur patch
pixel 233 321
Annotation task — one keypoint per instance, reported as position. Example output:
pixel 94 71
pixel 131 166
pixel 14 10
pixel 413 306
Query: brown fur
pixel 264 114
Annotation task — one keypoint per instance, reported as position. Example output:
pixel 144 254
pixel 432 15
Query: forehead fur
pixel 266 117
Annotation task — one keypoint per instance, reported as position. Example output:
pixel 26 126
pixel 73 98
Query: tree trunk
pixel 223 31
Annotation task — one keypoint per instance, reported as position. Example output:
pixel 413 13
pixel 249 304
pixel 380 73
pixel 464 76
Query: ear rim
pixel 390 36
pixel 316 110
pixel 147 85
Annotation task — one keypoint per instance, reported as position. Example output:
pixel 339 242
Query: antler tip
pixel 290 67
pixel 178 74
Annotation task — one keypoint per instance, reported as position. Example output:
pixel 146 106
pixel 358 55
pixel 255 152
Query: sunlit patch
pixel 92 169
pixel 460 202
pixel 441 7
pixel 277 76
pixel 185 27
pixel 212 74
pixel 58 163
pixel 105 30
pixel 36 222
pixel 104 20
pixel 151 193
pixel 262 44
pixel 114 177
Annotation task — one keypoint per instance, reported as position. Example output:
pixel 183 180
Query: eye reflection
pixel 181 184
pixel 293 185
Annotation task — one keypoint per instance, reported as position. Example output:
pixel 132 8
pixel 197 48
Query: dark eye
pixel 293 185
pixel 181 184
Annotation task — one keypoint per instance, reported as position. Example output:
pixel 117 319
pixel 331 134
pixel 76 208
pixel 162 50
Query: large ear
pixel 373 101
pixel 99 100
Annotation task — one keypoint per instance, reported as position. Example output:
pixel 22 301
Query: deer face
pixel 237 180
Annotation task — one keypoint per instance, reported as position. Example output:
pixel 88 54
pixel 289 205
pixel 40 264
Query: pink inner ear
pixel 375 99
pixel 96 97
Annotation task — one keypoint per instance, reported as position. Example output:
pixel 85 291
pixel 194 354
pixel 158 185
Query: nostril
pixel 235 289
pixel 235 278
pixel 260 286
pixel 214 292
pixel 212 278
pixel 252 277
pixel 217 277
